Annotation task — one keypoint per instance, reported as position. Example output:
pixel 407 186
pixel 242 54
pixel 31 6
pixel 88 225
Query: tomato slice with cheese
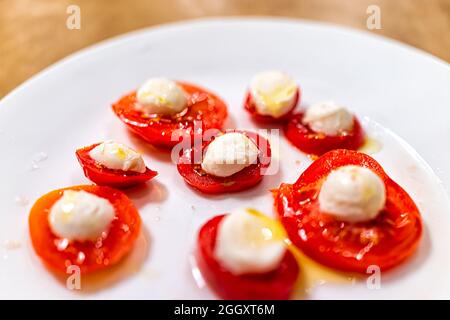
pixel 204 108
pixel 276 284
pixel 249 105
pixel 105 176
pixel 89 256
pixel 314 143
pixel 195 176
pixel 385 241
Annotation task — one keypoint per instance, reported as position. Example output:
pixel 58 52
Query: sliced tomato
pixel 204 108
pixel 277 284
pixel 90 256
pixel 195 176
pixel 385 241
pixel 104 176
pixel 314 143
pixel 249 105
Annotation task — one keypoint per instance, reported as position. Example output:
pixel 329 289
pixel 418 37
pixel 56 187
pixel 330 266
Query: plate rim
pixel 127 36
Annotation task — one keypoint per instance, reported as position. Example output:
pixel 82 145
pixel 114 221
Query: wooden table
pixel 33 33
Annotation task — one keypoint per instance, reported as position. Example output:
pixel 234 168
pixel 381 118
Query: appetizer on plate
pixel 163 111
pixel 346 213
pixel 323 127
pixel 113 164
pixel 92 227
pixel 272 96
pixel 231 161
pixel 240 258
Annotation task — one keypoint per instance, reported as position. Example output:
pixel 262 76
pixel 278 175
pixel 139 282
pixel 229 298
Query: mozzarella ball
pixel 353 194
pixel 273 93
pixel 328 118
pixel 245 245
pixel 228 154
pixel 117 156
pixel 80 216
pixel 161 96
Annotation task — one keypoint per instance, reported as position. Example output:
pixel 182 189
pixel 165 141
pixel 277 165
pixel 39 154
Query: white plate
pixel 68 106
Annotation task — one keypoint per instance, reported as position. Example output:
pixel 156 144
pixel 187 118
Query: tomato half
pixel 277 284
pixel 104 176
pixel 249 105
pixel 314 143
pixel 384 242
pixel 90 256
pixel 203 107
pixel 196 177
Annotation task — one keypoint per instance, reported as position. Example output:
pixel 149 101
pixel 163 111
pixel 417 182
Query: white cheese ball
pixel 353 194
pixel 273 93
pixel 244 245
pixel 118 156
pixel 161 96
pixel 80 216
pixel 328 118
pixel 228 154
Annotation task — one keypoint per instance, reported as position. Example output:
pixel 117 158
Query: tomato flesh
pixel 204 108
pixel 248 177
pixel 308 141
pixel 90 256
pixel 249 105
pixel 277 284
pixel 104 176
pixel 385 241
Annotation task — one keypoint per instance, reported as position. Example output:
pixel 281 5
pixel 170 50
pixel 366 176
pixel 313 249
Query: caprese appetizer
pixel 230 161
pixel 113 164
pixel 272 96
pixel 92 227
pixel 241 258
pixel 323 127
pixel 346 213
pixel 163 112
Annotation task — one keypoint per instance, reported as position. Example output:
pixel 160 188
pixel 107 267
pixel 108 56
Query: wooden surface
pixel 33 33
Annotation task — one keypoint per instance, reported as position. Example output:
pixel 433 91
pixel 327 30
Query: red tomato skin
pixel 384 242
pixel 276 285
pixel 99 255
pixel 242 180
pixel 249 105
pixel 203 106
pixel 308 141
pixel 108 177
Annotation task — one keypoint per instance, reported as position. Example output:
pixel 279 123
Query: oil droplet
pixel 12 244
pixel 370 146
pixel 313 274
pixel 36 159
pixel 125 228
pixel 80 258
pixel 149 272
pixel 62 244
pixel 39 157
pixel 22 201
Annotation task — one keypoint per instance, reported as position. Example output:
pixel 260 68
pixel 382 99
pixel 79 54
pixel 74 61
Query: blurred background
pixel 33 33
